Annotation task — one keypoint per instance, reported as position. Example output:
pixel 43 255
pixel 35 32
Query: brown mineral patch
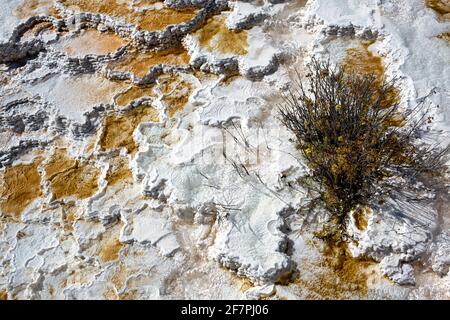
pixel 361 215
pixel 139 63
pixel 29 8
pixel 3 295
pixel 119 128
pixel 215 36
pixel 58 163
pixel 441 7
pixel 148 20
pixel 90 145
pixel 285 278
pixel 362 61
pixel 110 250
pixel 444 36
pixel 119 171
pixel 128 295
pixel 19 186
pixel 81 275
pixel 228 80
pixel 132 94
pixel 69 216
pixel 337 276
pixel 205 77
pixel 120 276
pixel 36 29
pixel 146 3
pixel 107 246
pixel 70 177
pixel 110 294
pixel 159 19
pixel 176 92
pixel 51 291
pixel 245 285
pixel 114 8
pixel 91 42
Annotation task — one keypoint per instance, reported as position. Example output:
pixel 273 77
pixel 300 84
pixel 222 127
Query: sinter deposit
pixel 142 156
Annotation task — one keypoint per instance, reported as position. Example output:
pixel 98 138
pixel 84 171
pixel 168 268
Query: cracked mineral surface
pixel 142 157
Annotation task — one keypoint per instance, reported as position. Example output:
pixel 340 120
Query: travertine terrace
pixel 142 157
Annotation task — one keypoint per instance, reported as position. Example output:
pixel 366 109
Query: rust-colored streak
pixel 19 186
pixel 215 36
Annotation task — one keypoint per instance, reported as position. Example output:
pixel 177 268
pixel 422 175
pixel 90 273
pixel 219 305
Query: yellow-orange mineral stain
pixel 215 36
pixel 120 276
pixel 361 60
pixel 361 216
pixel 148 20
pixel 441 7
pixel 119 171
pixel 132 94
pixel 119 128
pixel 71 177
pixel 3 295
pixel 91 42
pixel 245 284
pixel 176 93
pixel 19 186
pixel 90 144
pixel 109 245
pixel 159 19
pixel 338 276
pixel 146 3
pixel 139 63
pixel 110 250
pixel 444 36
pixel 69 216
pixel 80 274
pixel 29 8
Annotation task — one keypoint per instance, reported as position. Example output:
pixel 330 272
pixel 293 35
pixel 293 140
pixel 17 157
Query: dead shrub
pixel 354 138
